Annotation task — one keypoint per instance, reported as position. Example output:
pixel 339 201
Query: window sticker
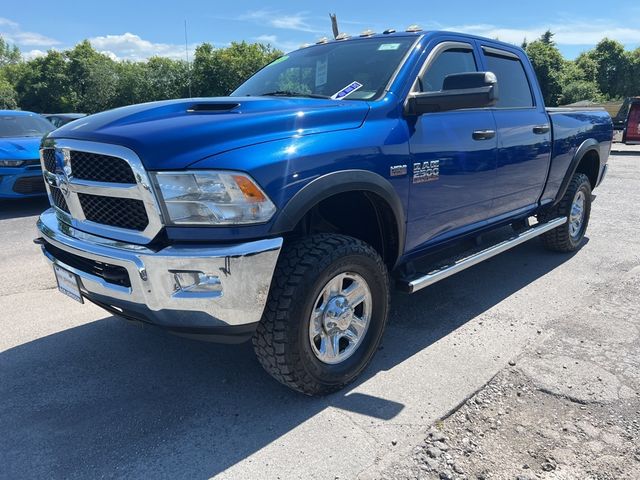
pixel 321 71
pixel 389 46
pixel 348 90
pixel 278 60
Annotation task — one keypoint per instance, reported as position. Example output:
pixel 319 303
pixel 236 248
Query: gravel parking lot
pixel 88 395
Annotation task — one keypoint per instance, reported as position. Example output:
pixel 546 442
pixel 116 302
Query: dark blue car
pixel 20 135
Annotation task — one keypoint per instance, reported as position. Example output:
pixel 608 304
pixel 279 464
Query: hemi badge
pixel 397 170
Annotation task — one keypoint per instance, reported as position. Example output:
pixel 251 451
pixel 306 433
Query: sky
pixel 138 29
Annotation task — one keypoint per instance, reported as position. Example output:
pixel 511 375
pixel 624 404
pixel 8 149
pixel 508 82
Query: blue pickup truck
pixel 20 135
pixel 284 212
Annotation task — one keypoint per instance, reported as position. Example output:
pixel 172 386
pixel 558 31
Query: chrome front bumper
pixel 237 278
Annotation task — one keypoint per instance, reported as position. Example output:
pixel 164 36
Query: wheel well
pixel 359 214
pixel 590 166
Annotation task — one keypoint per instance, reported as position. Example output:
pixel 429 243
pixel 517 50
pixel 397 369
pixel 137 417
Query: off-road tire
pixel 281 341
pixel 559 239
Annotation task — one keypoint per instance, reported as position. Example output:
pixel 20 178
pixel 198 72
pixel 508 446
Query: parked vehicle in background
pixel 631 133
pixel 60 119
pixel 282 213
pixel 20 171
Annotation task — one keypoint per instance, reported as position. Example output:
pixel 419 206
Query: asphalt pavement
pixel 88 395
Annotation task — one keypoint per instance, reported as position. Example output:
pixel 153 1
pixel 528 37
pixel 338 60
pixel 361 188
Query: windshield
pixel 23 126
pixel 353 70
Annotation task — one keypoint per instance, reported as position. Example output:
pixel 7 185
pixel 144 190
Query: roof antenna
pixel 334 25
pixel 186 52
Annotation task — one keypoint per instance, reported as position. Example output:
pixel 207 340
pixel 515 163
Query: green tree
pixel 547 38
pixel 548 64
pixel 204 71
pixel 130 88
pixel 163 79
pixel 612 67
pixel 632 83
pixel 577 85
pixel 43 85
pixel 8 95
pixel 220 71
pixel 93 77
pixel 9 54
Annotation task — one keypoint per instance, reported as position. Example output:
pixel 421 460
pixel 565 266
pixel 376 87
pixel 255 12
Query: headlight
pixel 212 198
pixel 11 163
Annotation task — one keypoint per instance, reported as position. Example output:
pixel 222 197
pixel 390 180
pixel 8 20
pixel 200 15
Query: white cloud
pixel 292 21
pixel 129 46
pixel 566 33
pixel 272 39
pixel 33 54
pixel 5 22
pixel 13 33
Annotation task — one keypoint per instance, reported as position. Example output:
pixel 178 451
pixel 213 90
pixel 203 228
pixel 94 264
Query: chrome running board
pixel 418 283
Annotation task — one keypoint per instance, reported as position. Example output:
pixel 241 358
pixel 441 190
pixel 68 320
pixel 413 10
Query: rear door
pixel 524 134
pixel 453 155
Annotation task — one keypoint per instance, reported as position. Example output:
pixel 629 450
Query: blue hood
pixel 174 134
pixel 20 148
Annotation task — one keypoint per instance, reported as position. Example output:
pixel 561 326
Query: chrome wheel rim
pixel 340 318
pixel 576 216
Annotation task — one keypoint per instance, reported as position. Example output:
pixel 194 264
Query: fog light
pixel 188 283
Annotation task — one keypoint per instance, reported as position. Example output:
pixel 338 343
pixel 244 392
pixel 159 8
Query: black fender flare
pixel 591 144
pixel 334 183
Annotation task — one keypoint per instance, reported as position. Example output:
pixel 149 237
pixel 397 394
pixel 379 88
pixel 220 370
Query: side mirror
pixel 459 90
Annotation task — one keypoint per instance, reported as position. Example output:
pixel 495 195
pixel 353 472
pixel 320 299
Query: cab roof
pixel 390 33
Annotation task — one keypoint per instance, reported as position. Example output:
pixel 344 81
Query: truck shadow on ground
pixel 23 207
pixel 110 399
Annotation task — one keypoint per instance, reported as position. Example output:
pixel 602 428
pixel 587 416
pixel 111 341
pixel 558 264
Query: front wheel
pixel 325 315
pixel 576 207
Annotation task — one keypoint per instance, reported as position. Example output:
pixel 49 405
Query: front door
pixel 453 155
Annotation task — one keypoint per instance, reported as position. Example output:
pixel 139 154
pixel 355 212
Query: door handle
pixel 483 134
pixel 541 129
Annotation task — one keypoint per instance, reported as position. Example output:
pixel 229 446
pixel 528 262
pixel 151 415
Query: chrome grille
pixel 102 189
pixel 100 168
pixel 49 157
pixel 58 199
pixel 117 212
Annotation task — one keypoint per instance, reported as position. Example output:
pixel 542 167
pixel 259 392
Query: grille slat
pixel 100 168
pixel 116 212
pixel 58 199
pixel 49 156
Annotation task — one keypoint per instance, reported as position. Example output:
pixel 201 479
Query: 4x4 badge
pixel 397 170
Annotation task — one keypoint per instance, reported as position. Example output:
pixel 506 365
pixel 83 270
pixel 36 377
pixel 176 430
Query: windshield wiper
pixel 289 93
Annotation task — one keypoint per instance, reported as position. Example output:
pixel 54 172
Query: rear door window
pixel 513 85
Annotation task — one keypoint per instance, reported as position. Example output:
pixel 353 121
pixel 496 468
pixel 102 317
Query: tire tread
pixel 270 339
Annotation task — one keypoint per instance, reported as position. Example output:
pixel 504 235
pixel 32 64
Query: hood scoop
pixel 211 107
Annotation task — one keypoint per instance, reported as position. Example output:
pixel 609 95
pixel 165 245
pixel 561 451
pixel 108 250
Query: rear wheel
pixel 576 207
pixel 325 315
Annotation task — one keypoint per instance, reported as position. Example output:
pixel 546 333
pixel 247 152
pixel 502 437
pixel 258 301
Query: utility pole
pixel 334 25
